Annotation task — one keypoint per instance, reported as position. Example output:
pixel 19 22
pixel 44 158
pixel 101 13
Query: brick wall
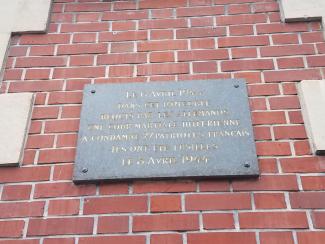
pixel 149 40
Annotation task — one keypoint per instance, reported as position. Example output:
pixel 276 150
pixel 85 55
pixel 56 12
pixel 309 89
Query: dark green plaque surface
pixel 165 130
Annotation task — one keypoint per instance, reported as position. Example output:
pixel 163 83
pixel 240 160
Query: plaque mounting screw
pixel 247 165
pixel 93 91
pixel 236 85
pixel 84 170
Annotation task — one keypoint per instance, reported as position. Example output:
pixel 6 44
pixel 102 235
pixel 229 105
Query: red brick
pixel 113 189
pixel 121 71
pixel 268 165
pixel 161 34
pixel 295 117
pixel 123 25
pixel 165 203
pixel 251 77
pixel 267 183
pixel 253 64
pixel 243 53
pixel 35 127
pixel 314 237
pixel 82 60
pixel 122 47
pixel 144 4
pixel 37 74
pixel 241 30
pixel 67 140
pixel 164 186
pixel 76 84
pixel 285 39
pixel 265 7
pixel 20 241
pixel 202 43
pixel 162 13
pixel 17 51
pixel 202 55
pixel 276 237
pixel 125 239
pixel 124 5
pixel 162 23
pixel 243 41
pixel 44 39
pixel 241 19
pixel 318 219
pixel 87 7
pixel 84 27
pixel 302 165
pixel 302 147
pixel 162 45
pixel 276 51
pixel 60 226
pixel 263 89
pixel 269 220
pixel 269 200
pixel 273 148
pixel 200 11
pixel 160 57
pixel 166 238
pixel 11 229
pixel 25 174
pixel 287 102
pixel 82 49
pixel 292 75
pixel 116 205
pixel 321 48
pixel 122 36
pixel 40 62
pixel 57 126
pixel 200 32
pixel 63 172
pixel 200 2
pixel 223 201
pixel 161 69
pixel 34 86
pixel 61 18
pixel 258 103
pixel 21 209
pixel 113 224
pixel 301 200
pixel 65 97
pixel 64 207
pixel 313 183
pixel 287 63
pixel 45 112
pixel 59 240
pixel 42 51
pixel 213 221
pixel 56 156
pixel 16 192
pixel 281 28
pixel 221 237
pixel 205 67
pixel 213 185
pixel 125 15
pixel 316 61
pixel 127 58
pixel 290 132
pixel 166 222
pixel 63 189
pixel 84 37
pixel 239 9
pixel 202 21
pixel 40 141
pixel 312 37
pixel 84 72
pixel 13 74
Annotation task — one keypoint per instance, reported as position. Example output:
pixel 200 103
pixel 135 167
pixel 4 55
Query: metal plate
pixel 161 130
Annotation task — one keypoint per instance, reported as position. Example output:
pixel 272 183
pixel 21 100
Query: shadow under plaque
pixel 160 130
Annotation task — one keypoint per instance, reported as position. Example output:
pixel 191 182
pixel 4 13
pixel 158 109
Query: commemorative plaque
pixel 165 130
